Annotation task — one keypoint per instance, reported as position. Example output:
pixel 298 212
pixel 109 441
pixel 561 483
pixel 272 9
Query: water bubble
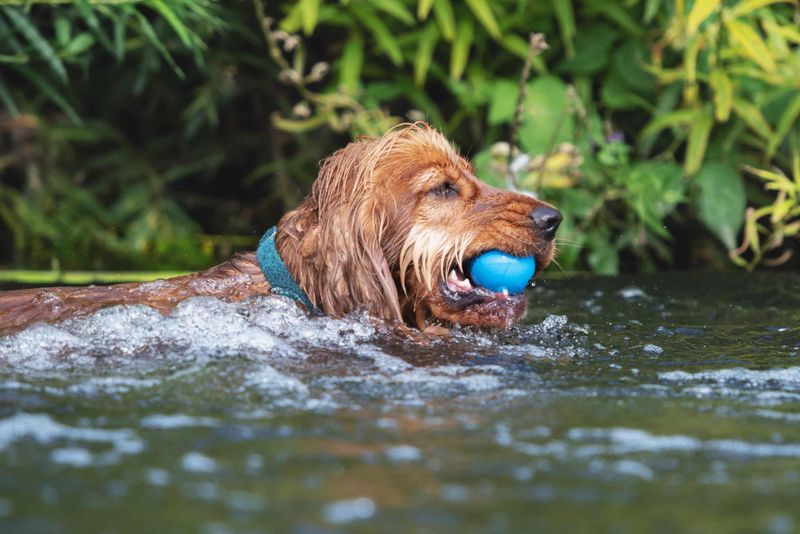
pixel 198 463
pixel 349 510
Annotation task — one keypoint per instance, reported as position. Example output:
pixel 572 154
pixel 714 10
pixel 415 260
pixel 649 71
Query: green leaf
pixel 566 22
pixel 36 40
pixel 667 120
pixel 502 101
pixel 547 121
pixel 748 6
pixel 651 10
pixel 63 31
pixel 785 124
pixel 616 94
pixel 82 42
pixel 425 47
pixel 721 201
pixel 700 12
pixel 751 115
pixel 617 14
pixel 380 32
pixel 396 9
pixel 352 61
pixel 699 131
pixel 592 50
pixel 184 33
pixel 603 256
pixel 483 12
pixel 423 8
pixel 627 62
pixel 7 100
pixel 653 191
pixel 443 10
pixel 460 50
pixel 752 44
pixel 148 31
pixel 723 94
pixel 89 16
pixel 293 20
pixel 120 24
pixel 49 92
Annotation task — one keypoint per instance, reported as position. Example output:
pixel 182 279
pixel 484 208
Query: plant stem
pixel 536 44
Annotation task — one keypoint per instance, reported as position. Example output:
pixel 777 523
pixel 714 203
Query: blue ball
pixel 496 271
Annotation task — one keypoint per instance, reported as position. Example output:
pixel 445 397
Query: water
pixel 661 403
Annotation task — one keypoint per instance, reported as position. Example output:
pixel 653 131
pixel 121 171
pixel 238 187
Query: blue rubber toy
pixel 496 271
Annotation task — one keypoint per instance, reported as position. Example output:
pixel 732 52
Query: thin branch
pixel 536 45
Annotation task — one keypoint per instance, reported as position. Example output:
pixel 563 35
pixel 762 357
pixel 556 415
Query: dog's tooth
pixel 505 292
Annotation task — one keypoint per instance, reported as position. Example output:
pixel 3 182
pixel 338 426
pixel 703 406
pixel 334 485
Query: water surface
pixel 656 403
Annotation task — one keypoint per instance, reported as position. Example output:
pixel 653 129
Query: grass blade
pixel 461 45
pixel 150 34
pixel 92 21
pixel 483 12
pixel 49 91
pixel 7 99
pixel 351 62
pixel 566 22
pixel 425 47
pixel 443 10
pixel 423 8
pixel 37 41
pixel 396 9
pixel 380 31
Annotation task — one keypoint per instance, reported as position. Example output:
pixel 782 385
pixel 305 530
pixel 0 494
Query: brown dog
pixel 387 228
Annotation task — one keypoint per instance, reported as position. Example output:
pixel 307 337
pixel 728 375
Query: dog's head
pixel 390 224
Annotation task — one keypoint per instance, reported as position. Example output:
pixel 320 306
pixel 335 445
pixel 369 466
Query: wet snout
pixel 546 221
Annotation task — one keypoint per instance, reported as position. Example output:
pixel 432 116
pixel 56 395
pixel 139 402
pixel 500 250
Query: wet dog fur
pixel 387 228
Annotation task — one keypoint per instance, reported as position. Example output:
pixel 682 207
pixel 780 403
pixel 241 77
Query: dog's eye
pixel 445 189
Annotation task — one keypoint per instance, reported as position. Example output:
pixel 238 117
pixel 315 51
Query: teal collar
pixel 276 273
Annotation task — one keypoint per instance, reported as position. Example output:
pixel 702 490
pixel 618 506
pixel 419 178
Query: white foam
pixel 270 380
pixel 403 453
pixel 157 477
pixel 787 378
pixel 178 420
pixel 44 430
pixel 446 379
pixel 349 510
pixel 631 293
pixel 197 327
pixel 590 443
pixel 197 462
pixel 72 456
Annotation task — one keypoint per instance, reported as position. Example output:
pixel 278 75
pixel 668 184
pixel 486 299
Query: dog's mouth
pixel 460 292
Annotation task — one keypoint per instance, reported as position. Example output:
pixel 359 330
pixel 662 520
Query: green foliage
pixel 652 107
pixel 766 228
pixel 129 128
pixel 116 133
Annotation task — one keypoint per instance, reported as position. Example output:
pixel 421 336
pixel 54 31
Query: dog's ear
pixel 332 243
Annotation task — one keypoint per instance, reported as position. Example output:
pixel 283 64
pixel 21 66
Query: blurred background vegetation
pixel 165 134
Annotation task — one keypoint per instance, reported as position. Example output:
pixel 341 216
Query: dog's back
pixel 238 278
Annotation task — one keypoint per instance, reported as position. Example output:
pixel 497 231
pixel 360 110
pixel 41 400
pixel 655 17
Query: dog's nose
pixel 546 219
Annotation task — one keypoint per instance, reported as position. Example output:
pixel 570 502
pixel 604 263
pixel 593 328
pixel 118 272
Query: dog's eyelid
pixel 445 189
